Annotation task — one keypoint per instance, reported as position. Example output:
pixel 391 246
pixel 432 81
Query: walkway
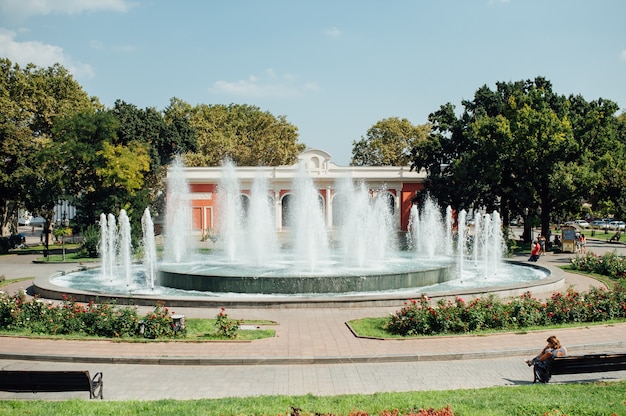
pixel 313 352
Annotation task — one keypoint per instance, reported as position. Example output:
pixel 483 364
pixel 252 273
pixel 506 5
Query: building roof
pixel 318 165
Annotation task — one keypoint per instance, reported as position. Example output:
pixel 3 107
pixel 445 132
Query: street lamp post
pixel 66 223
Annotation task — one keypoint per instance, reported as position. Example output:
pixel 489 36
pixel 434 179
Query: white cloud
pixel 332 32
pixel 40 54
pixel 22 9
pixel 623 55
pixel 271 85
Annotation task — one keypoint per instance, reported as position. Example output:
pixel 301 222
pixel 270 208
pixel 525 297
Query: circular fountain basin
pixel 287 276
pixel 87 285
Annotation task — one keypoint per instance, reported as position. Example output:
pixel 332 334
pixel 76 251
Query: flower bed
pixel 608 264
pixel 68 317
pixel 419 317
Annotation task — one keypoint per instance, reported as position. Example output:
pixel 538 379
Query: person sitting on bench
pixel 543 359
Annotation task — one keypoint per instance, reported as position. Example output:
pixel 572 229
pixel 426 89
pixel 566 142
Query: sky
pixel 332 68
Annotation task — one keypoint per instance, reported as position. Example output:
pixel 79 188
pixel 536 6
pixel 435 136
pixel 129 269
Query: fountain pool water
pixel 359 259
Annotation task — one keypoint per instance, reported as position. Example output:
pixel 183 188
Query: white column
pixel 397 208
pixel 278 218
pixel 329 217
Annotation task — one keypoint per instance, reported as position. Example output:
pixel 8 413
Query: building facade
pixel 396 183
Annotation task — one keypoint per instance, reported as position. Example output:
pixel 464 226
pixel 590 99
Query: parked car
pixel 582 223
pixel 617 225
pixel 578 223
pixel 37 221
pixel 600 224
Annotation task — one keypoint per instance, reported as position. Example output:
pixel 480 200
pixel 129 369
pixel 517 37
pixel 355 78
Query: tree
pixel 31 99
pixel 521 149
pixel 603 152
pixel 244 134
pixel 165 135
pixel 388 143
pixel 105 174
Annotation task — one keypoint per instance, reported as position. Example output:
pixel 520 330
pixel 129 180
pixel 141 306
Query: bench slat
pixel 594 363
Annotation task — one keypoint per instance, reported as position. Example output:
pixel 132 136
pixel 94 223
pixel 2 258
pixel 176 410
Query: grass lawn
pixel 599 277
pixel 580 399
pixel 69 258
pixel 11 281
pixel 601 235
pixel 204 330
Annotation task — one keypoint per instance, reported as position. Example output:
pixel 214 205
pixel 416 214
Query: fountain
pixel 359 261
pixel 178 214
pixel 149 247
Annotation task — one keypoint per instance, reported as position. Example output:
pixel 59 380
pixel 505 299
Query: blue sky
pixel 333 68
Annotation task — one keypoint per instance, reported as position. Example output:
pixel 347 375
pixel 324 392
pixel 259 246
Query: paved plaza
pixel 313 351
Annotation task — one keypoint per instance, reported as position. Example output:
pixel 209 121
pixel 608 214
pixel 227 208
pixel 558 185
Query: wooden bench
pixel 592 363
pixel 51 381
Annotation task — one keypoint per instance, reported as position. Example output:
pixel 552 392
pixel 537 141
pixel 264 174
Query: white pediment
pixel 315 160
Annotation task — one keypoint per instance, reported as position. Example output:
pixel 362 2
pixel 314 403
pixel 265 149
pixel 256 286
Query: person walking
pixel 542 245
pixel 583 243
pixel 534 251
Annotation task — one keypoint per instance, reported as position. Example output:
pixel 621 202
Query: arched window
pixel 287 201
pixel 288 213
pixel 392 202
pixel 340 205
pixel 244 200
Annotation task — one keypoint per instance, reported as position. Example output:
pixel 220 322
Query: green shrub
pixel 224 326
pixel 609 264
pixel 157 324
pixel 68 317
pixel 418 317
pixel 89 246
pixel 106 320
pixel 525 311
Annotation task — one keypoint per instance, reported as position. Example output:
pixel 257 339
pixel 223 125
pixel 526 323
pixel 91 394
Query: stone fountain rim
pixel 44 288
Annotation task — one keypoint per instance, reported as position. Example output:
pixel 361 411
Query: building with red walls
pixel 397 183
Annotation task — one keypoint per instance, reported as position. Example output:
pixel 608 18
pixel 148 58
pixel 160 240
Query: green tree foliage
pixel 115 158
pixel 243 133
pixel 388 143
pixel 106 175
pixel 164 135
pixel 521 148
pixel 604 154
pixel 124 166
pixel 31 99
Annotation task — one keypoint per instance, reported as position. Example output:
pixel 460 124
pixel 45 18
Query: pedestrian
pixel 583 243
pixel 542 245
pixel 535 249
